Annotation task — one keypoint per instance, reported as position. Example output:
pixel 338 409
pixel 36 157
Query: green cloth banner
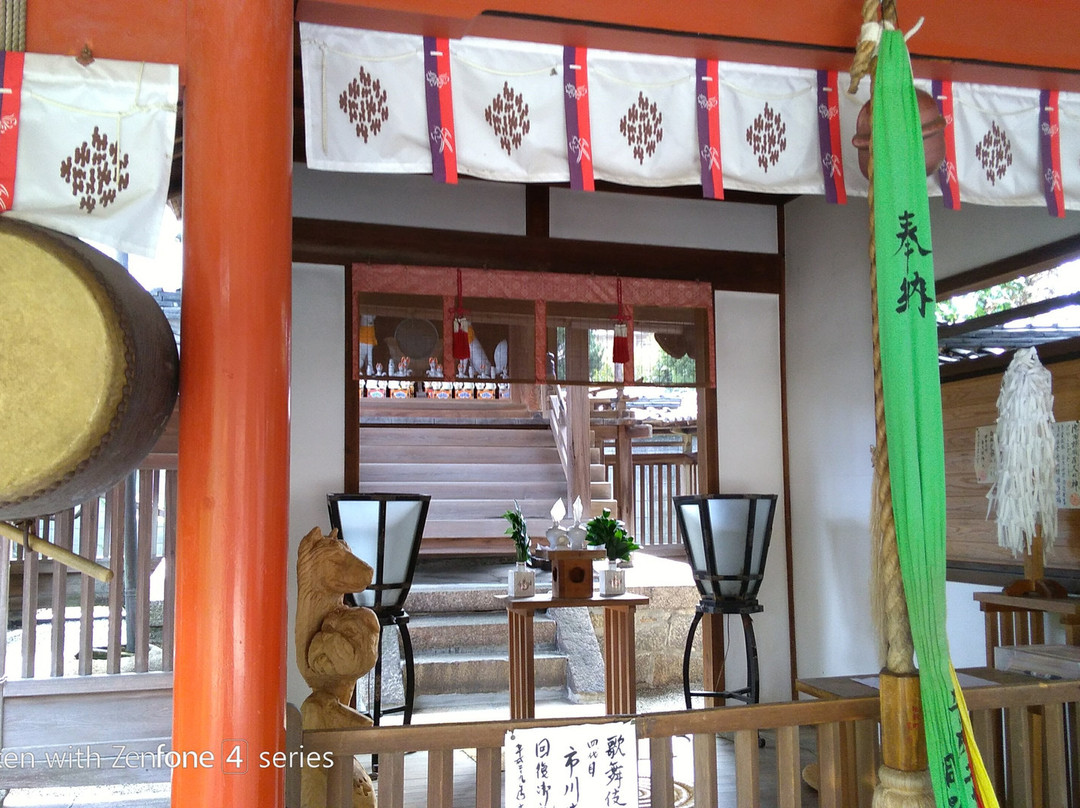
pixel 912 392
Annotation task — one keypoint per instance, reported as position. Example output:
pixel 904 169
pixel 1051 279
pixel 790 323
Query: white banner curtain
pixel 644 119
pixel 95 149
pixel 769 130
pixel 508 110
pixel 997 145
pixel 365 110
pixel 364 104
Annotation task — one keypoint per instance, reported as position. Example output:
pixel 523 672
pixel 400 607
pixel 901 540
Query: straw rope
pixel 13 25
pixel 888 601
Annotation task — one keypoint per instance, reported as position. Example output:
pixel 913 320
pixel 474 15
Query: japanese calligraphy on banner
pixel 637 118
pixel 1066 461
pixel 95 148
pixel 563 767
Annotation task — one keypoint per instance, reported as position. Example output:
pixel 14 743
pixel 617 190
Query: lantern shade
pixel 385 531
pixel 727 541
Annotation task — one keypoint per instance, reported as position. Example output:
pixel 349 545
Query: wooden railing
pixel 658 478
pixel 69 620
pixel 1027 733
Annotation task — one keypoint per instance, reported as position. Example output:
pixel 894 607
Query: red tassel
pixel 461 338
pixel 620 353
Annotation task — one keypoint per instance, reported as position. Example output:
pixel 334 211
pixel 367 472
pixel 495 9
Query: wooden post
pixel 579 447
pixel 903 742
pixel 624 475
pixel 233 509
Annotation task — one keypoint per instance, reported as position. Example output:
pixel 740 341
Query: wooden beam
pixel 1007 316
pixel 1028 262
pixel 333 242
pixel 1049 352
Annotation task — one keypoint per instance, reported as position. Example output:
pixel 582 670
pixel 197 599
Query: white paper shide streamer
pixel 1025 487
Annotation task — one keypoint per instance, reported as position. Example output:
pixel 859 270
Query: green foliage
pixel 604 531
pixel 518 531
pixel 601 367
pixel 672 371
pixel 1002 297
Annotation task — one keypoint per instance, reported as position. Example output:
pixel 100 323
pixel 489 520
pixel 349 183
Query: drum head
pixel 80 347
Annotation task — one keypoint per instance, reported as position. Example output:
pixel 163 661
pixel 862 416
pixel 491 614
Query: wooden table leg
pixel 522 670
pixel 620 661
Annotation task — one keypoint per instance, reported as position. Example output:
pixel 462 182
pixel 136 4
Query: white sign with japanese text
pixel 568 767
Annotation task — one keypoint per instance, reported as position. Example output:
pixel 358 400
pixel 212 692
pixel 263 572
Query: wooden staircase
pixel 474 459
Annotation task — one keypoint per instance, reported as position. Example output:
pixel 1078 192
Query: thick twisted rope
pixel 13 25
pixel 888 602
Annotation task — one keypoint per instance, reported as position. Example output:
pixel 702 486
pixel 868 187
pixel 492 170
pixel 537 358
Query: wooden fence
pixel 58 609
pixel 1027 731
pixel 658 478
pixel 92 667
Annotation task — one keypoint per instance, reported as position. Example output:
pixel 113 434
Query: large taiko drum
pixel 88 371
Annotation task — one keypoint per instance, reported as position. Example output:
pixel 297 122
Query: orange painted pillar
pixel 232 550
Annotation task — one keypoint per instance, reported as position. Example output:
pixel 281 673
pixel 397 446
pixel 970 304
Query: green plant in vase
pixel 518 531
pixel 610 533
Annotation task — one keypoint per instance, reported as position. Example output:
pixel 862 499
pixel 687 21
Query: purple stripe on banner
pixel 1046 149
pixel 704 145
pixel 572 127
pixel 434 110
pixel 824 135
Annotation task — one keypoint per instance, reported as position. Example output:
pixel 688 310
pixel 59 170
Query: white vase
pixel 612 580
pixel 522 583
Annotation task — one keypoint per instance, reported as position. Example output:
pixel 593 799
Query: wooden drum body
pixel 88 371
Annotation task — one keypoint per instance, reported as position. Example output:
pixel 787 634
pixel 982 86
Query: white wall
pixel 831 420
pixel 317 418
pixel 751 457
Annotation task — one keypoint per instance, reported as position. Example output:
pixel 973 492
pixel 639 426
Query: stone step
pixel 491 508
pixel 482 673
pixel 372 472
pixel 438 599
pixel 503 490
pixel 472 631
pixel 376 437
pixel 418 451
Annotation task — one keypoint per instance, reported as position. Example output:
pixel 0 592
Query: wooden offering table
pixel 1018 620
pixel 620 668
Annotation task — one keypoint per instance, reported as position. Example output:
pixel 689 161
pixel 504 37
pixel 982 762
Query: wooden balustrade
pixel 1034 763
pixel 62 607
pixel 658 478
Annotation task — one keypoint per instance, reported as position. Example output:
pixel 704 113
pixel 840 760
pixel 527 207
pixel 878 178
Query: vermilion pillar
pixel 233 497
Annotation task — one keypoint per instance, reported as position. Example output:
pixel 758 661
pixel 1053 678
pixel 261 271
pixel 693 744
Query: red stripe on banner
pixel 584 128
pixel 834 138
pixel 446 109
pixel 950 182
pixel 714 132
pixel 1055 156
pixel 10 102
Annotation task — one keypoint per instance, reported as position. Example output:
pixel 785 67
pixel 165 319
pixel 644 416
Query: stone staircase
pixel 474 459
pixel 459 636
